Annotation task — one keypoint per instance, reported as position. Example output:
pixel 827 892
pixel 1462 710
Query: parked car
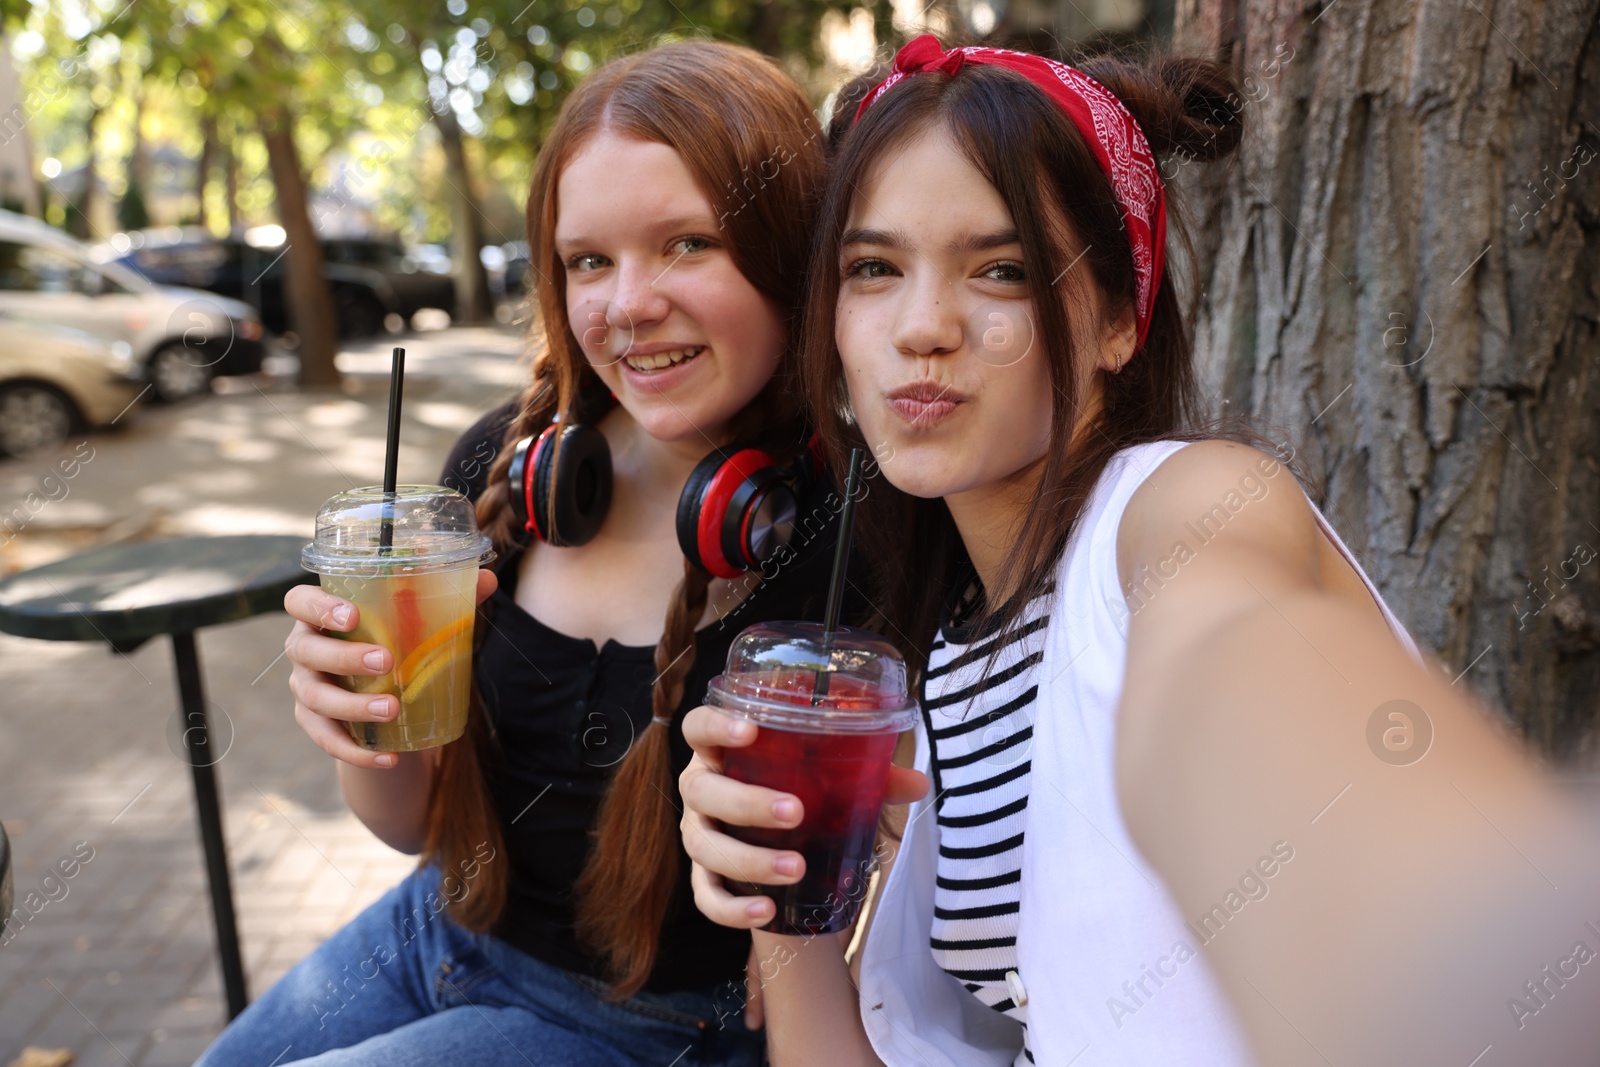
pixel 55 381
pixel 435 259
pixel 415 287
pixel 515 272
pixel 364 294
pixel 180 338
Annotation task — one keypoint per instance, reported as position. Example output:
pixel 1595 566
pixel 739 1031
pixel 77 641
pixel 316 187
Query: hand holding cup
pixel 407 559
pixel 322 706
pixel 791 770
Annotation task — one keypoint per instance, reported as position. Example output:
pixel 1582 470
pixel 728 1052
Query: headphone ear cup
pixel 715 505
pixel 527 496
pixel 762 513
pixel 759 520
pixel 540 462
pixel 690 503
pixel 517 482
pixel 572 489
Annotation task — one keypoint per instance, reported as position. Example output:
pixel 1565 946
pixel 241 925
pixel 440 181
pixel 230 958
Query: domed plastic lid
pixel 775 670
pixel 434 528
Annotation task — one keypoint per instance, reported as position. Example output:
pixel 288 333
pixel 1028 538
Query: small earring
pixel 1119 362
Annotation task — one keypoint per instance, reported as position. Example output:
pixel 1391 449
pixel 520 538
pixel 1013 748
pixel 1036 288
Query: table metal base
pixel 197 739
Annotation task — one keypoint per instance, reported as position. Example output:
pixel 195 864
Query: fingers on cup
pixel 707 728
pixel 733 859
pixel 711 896
pixel 905 786
pixel 740 804
pixel 331 736
pixel 322 697
pixel 330 655
pixel 313 607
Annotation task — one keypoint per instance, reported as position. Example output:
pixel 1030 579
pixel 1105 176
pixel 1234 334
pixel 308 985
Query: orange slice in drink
pixel 426 672
pixel 436 642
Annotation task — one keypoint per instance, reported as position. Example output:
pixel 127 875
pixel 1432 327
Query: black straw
pixel 391 465
pixel 841 563
pixel 391 456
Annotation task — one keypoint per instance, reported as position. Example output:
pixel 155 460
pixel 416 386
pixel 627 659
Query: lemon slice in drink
pixel 371 631
pixel 436 642
pixel 425 672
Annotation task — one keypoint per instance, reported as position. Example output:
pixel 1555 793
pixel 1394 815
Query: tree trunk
pixel 230 181
pixel 306 290
pixel 139 154
pixel 202 166
pixel 1397 271
pixel 473 302
pixel 133 213
pixel 78 223
pixel 765 29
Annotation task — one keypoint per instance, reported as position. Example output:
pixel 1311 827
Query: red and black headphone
pixel 737 509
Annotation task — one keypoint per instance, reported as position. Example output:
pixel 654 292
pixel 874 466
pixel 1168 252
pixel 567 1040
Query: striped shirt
pixel 979 695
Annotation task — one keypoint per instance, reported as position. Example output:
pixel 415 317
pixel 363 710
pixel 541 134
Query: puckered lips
pixel 926 402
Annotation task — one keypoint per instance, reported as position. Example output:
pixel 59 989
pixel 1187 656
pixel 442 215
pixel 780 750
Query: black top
pixel 565 713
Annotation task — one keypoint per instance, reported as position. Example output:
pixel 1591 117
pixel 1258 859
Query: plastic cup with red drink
pixel 830 706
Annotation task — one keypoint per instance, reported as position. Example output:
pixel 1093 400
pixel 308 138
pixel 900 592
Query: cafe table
pixel 126 594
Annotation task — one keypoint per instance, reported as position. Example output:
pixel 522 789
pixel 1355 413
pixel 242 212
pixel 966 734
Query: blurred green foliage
pixel 361 80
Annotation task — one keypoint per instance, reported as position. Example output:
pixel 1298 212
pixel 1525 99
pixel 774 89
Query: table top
pixel 126 593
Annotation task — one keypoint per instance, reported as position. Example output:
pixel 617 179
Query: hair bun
pixel 1186 106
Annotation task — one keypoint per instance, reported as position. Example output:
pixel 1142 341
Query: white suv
pixel 181 338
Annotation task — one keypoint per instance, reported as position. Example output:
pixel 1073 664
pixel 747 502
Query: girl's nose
pixel 928 322
pixel 638 299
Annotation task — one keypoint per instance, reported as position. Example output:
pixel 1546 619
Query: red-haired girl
pixel 550 919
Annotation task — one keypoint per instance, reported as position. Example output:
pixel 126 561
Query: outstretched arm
pixel 1439 901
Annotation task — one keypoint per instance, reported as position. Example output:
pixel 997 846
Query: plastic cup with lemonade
pixel 415 586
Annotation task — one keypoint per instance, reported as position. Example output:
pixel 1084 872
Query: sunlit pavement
pixel 119 964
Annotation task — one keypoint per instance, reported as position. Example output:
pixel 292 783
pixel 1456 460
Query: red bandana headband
pixel 1112 133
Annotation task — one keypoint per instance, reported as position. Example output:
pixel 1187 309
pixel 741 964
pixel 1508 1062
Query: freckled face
pixel 935 325
pixel 663 315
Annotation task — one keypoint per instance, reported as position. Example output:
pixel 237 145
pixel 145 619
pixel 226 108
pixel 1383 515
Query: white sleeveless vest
pixel 1114 975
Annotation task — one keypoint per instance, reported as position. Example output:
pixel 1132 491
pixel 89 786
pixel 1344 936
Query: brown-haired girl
pixel 1181 812
pixel 550 919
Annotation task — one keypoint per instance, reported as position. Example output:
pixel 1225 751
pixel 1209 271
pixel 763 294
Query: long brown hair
pixel 1041 167
pixel 747 134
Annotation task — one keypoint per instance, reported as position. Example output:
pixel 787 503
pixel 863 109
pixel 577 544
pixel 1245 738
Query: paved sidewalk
pixel 119 965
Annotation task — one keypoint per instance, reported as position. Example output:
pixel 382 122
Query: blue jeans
pixel 401 985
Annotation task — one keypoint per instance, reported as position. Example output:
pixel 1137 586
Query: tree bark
pixel 133 213
pixel 1398 271
pixel 765 29
pixel 230 180
pixel 473 301
pixel 202 166
pixel 78 223
pixel 139 153
pixel 309 299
